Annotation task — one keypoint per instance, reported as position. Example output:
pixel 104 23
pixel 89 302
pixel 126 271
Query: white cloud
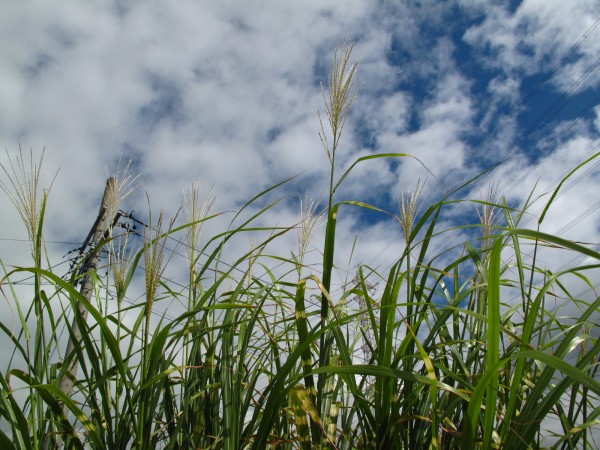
pixel 537 36
pixel 445 116
pixel 229 76
pixel 227 93
pixel 597 120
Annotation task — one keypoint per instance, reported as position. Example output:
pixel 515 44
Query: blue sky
pixel 226 94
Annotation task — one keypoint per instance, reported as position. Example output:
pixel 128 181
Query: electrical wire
pixel 583 81
pixel 45 242
pixel 523 102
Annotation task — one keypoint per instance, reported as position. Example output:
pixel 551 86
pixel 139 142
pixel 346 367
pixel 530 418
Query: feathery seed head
pixel 23 189
pixel 154 251
pixel 196 207
pixel 487 216
pixel 124 184
pixel 341 95
pixel 409 207
pixel 309 224
pixel 119 260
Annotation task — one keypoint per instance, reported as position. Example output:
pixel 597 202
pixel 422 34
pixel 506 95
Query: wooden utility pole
pixel 95 237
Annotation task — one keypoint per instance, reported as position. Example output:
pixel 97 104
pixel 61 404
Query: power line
pixel 517 109
pixel 583 81
pixel 44 241
pixel 24 281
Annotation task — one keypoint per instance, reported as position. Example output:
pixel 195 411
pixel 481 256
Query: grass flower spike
pixel 409 207
pixel 23 189
pixel 309 225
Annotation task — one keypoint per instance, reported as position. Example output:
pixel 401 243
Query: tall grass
pixel 433 353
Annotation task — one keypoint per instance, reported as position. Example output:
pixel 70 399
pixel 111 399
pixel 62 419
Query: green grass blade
pixel 378 156
pixel 302 405
pixel 12 412
pixel 493 341
pixel 307 361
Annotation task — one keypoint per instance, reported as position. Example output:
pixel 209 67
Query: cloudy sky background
pixel 226 94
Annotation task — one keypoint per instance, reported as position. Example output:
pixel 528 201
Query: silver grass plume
pixel 22 187
pixel 341 96
pixel 409 207
pixel 154 252
pixel 310 221
pixel 196 207
pixel 487 216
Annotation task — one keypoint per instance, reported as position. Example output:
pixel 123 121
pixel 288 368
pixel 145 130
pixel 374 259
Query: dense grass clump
pixel 433 353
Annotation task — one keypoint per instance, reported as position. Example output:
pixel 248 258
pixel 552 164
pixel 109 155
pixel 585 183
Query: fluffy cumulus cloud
pixel 227 93
pixel 538 36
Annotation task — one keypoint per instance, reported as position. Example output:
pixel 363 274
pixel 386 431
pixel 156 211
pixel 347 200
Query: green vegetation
pixel 460 354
